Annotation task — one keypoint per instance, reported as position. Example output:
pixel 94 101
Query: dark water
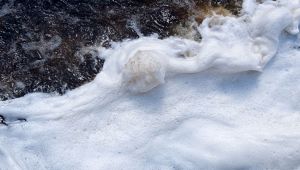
pixel 45 44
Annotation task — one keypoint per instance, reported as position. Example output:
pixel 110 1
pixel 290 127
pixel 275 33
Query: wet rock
pixel 2 120
pixel 45 44
pixel 234 6
pixel 11 120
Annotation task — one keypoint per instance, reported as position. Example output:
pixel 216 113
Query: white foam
pixel 210 120
pixel 228 44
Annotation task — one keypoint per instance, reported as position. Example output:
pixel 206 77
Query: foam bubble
pixel 143 71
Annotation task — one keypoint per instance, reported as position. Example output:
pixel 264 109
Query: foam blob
pixel 143 71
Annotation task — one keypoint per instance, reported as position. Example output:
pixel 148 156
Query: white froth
pixel 228 44
pixel 212 120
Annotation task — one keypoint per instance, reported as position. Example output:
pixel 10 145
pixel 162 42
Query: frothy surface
pixel 221 118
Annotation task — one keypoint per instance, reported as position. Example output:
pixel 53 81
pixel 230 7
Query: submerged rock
pixel 2 120
pixel 47 45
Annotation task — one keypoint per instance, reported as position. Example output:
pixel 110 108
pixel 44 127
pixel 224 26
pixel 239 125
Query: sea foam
pixel 194 121
pixel 228 44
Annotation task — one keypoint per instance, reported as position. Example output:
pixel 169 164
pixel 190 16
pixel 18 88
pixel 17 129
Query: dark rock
pixel 2 120
pixel 43 43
